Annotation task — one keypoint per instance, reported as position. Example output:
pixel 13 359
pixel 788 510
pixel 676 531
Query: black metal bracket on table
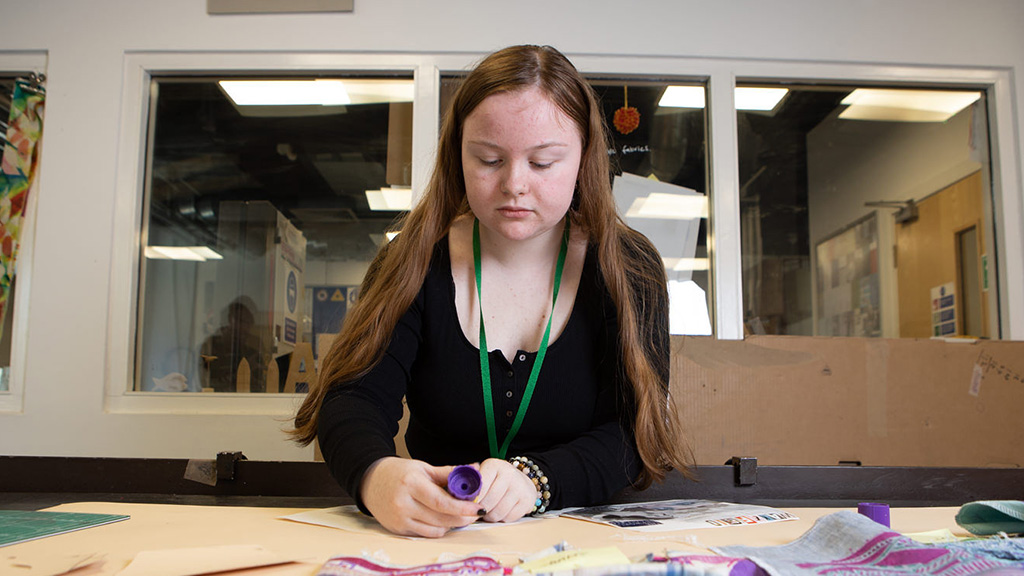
pixel 226 464
pixel 744 470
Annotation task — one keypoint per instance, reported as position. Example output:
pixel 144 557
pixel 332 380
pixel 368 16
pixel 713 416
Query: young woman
pixel 515 250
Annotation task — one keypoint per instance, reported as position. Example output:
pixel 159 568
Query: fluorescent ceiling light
pixel 190 253
pixel 377 91
pixel 286 92
pixel 906 105
pixel 683 264
pixel 764 99
pixel 317 92
pixel 669 207
pixel 682 97
pixel 746 98
pixel 391 199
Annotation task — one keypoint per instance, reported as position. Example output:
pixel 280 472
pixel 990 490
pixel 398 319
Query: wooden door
pixel 929 256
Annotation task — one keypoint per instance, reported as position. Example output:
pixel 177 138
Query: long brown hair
pixel 635 279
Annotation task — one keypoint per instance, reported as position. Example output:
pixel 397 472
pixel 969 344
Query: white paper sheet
pixel 674 236
pixel 351 519
pixel 192 561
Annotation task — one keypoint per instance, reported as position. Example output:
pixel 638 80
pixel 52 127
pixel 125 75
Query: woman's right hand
pixel 408 497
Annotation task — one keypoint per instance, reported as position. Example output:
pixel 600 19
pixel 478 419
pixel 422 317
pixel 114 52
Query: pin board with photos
pixel 847 283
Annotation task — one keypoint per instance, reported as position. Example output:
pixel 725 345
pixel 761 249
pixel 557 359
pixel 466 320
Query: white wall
pixel 850 163
pixel 66 321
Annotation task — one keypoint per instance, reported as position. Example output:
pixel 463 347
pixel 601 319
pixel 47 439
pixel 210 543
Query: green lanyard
pixel 485 365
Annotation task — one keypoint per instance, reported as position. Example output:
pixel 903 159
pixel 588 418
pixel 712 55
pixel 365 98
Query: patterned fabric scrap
pixel 699 565
pixel 1004 548
pixel 846 543
pixel 355 566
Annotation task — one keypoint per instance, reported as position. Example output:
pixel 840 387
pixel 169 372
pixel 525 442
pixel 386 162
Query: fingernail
pixel 481 512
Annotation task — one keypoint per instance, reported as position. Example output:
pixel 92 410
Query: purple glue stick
pixel 464 482
pixel 877 512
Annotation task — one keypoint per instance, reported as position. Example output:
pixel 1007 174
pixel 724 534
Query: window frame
pixel 719 75
pixel 132 195
pixel 1003 176
pixel 724 234
pixel 13 400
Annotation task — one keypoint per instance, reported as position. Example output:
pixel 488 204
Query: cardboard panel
pixel 791 400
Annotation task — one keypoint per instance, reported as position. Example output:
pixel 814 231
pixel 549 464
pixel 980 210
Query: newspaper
pixel 668 515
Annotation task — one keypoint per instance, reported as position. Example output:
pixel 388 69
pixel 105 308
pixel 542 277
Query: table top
pixel 109 549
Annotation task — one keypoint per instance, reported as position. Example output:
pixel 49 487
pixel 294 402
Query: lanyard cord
pixel 485 366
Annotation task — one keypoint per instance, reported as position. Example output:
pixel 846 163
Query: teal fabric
pixel 986 517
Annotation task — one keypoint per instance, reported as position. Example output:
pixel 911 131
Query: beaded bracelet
pixel 540 482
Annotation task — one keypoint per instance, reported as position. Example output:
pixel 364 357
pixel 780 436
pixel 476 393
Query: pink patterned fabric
pixel 848 544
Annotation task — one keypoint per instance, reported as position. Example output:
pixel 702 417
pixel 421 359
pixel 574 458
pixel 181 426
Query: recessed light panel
pixel 286 92
pixel 906 105
pixel 747 98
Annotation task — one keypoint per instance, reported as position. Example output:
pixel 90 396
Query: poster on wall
pixel 330 304
pixel 847 281
pixel 943 310
pixel 289 263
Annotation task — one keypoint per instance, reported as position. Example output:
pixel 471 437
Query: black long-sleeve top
pixel 578 425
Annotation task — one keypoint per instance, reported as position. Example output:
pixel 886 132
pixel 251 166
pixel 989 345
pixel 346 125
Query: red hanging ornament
pixel 626 118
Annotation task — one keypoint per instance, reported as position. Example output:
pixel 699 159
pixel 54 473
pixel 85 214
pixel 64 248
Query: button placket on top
pixel 509 402
pixel 511 392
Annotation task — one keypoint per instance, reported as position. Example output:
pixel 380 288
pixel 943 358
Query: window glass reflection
pixel 658 149
pixel 854 202
pixel 659 163
pixel 265 204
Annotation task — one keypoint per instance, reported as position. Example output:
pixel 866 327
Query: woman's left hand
pixel 507 493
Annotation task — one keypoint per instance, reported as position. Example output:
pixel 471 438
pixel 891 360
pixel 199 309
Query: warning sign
pixel 330 303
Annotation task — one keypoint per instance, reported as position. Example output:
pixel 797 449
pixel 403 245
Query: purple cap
pixel 464 482
pixel 877 512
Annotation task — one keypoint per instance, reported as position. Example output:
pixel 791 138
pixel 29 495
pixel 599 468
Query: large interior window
pixel 267 197
pixel 264 207
pixel 659 179
pixel 853 203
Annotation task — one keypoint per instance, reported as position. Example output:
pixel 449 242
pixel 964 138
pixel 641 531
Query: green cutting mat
pixel 21 525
